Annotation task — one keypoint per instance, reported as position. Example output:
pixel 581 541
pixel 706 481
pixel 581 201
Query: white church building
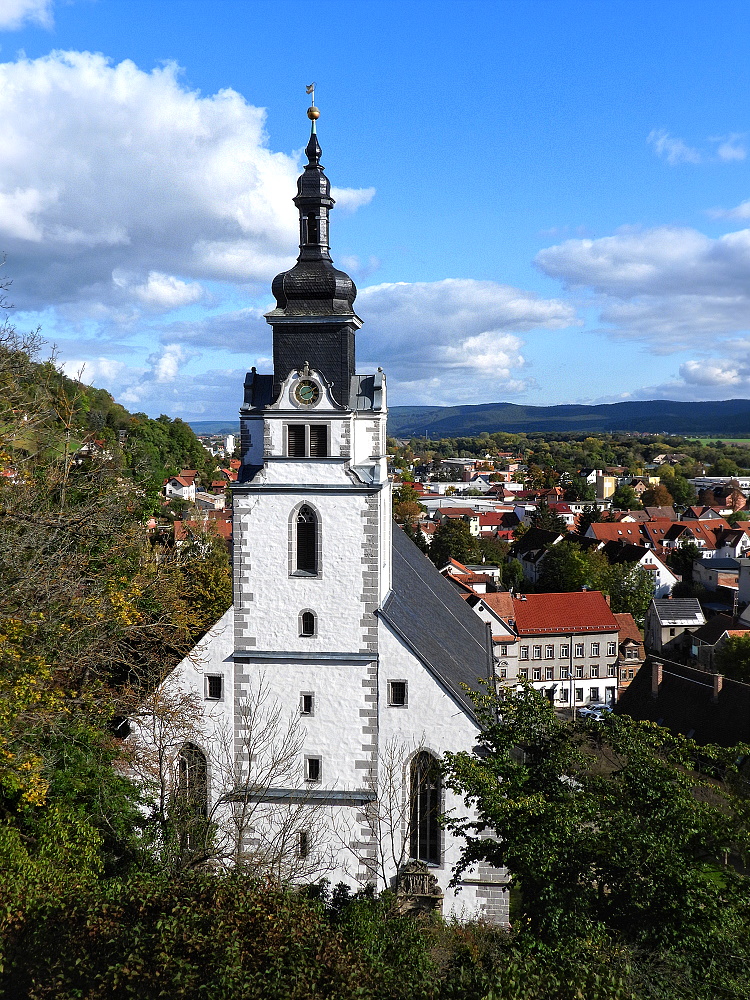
pixel 330 690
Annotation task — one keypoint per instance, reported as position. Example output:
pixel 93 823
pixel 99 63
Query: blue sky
pixel 543 202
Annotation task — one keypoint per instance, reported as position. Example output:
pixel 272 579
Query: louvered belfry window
pixel 318 442
pixel 307 541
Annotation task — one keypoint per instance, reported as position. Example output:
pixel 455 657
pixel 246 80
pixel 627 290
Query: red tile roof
pixel 617 531
pixel 580 611
pixel 501 604
pixel 628 627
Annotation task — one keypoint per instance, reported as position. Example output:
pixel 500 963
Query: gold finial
pixel 312 112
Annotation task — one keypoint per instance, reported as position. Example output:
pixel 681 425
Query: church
pixel 329 691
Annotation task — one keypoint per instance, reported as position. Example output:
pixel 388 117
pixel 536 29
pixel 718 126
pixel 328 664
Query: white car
pixel 590 713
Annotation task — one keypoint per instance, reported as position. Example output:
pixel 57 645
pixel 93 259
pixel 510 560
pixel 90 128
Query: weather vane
pixel 312 112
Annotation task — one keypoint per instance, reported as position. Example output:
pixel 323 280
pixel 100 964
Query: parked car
pixel 601 707
pixel 590 713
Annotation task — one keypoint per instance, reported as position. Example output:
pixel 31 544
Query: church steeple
pixel 314 319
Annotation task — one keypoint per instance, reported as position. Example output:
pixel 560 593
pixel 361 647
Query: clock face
pixel 307 392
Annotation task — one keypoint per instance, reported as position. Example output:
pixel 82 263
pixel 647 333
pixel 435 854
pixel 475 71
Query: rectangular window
pixel 523 674
pixel 594 694
pixel 610 695
pixel 537 673
pixel 503 650
pixel 579 670
pixel 611 648
pixel 303 844
pixel 318 442
pixel 563 673
pixel 631 674
pixel 214 687
pixel 623 674
pixel 296 441
pixel 594 669
pixel 536 653
pixel 579 694
pixel 564 650
pixel 549 673
pixel 524 653
pixel 594 648
pixel 307 703
pixel 562 694
pixel 549 652
pixel 579 649
pixel 611 670
pixel 397 694
pixel 313 768
pixel 503 673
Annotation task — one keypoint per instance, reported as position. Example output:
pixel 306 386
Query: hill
pixel 724 417
pixel 215 426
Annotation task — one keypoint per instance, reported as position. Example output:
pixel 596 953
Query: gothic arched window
pixel 192 779
pixel 424 801
pixel 306 541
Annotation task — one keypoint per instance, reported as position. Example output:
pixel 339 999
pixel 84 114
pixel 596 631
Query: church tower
pixel 312 511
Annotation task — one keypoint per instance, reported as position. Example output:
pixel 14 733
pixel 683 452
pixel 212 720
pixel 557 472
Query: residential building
pixel 667 621
pixel 631 650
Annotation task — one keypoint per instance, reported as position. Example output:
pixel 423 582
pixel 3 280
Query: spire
pixel 313 286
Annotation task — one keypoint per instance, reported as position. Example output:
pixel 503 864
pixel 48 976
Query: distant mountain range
pixel 727 418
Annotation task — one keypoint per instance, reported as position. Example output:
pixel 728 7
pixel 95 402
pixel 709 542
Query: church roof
pixel 428 613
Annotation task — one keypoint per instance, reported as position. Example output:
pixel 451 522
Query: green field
pixel 718 437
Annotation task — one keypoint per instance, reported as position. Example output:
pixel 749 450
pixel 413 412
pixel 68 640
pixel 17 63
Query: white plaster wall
pixel 434 721
pixel 277 598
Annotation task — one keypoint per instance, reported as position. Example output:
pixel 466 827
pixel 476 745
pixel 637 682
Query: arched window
pixel 307 541
pixel 307 623
pixel 424 800
pixel 192 779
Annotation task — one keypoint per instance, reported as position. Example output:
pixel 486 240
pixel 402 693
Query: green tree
pixel 625 498
pixel 607 826
pixel 682 559
pixel 565 567
pixel 550 520
pixel 733 657
pixel 454 540
pixel 589 515
pixel 630 588
pixel 682 491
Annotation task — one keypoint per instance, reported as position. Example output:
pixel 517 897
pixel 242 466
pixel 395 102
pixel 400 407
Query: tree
pixel 733 657
pixel 630 588
pixel 577 488
pixel 618 826
pixel 657 496
pixel 565 567
pixel 417 535
pixel 588 516
pixel 454 540
pixel 625 498
pixel 683 557
pixel 550 520
pixel 682 491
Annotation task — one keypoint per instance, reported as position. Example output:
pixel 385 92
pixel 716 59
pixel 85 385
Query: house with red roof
pixel 632 651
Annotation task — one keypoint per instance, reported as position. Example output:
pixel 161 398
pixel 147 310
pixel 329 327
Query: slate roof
pixel 710 633
pixel 427 612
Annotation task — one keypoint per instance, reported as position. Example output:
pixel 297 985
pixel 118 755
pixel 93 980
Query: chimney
pixel 718 680
pixel 656 673
pixel 607 599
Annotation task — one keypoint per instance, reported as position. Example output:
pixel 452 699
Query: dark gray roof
pixel 719 564
pixel 258 391
pixel 435 622
pixel 682 611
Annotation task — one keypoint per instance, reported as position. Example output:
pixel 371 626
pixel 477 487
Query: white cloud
pixel 672 149
pixel 730 147
pixel 350 199
pixel 15 13
pixel 453 340
pixel 741 211
pixel 109 172
pixel 670 287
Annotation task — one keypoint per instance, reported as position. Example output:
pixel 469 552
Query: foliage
pixel 682 558
pixel 682 491
pixel 566 566
pixel 625 498
pixel 588 516
pixel 454 540
pixel 733 657
pixel 550 520
pixel 612 827
pixel 657 496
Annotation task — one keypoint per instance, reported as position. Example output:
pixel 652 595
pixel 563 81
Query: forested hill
pixel 725 417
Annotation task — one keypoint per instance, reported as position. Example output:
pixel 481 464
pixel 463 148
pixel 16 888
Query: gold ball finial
pixel 313 113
